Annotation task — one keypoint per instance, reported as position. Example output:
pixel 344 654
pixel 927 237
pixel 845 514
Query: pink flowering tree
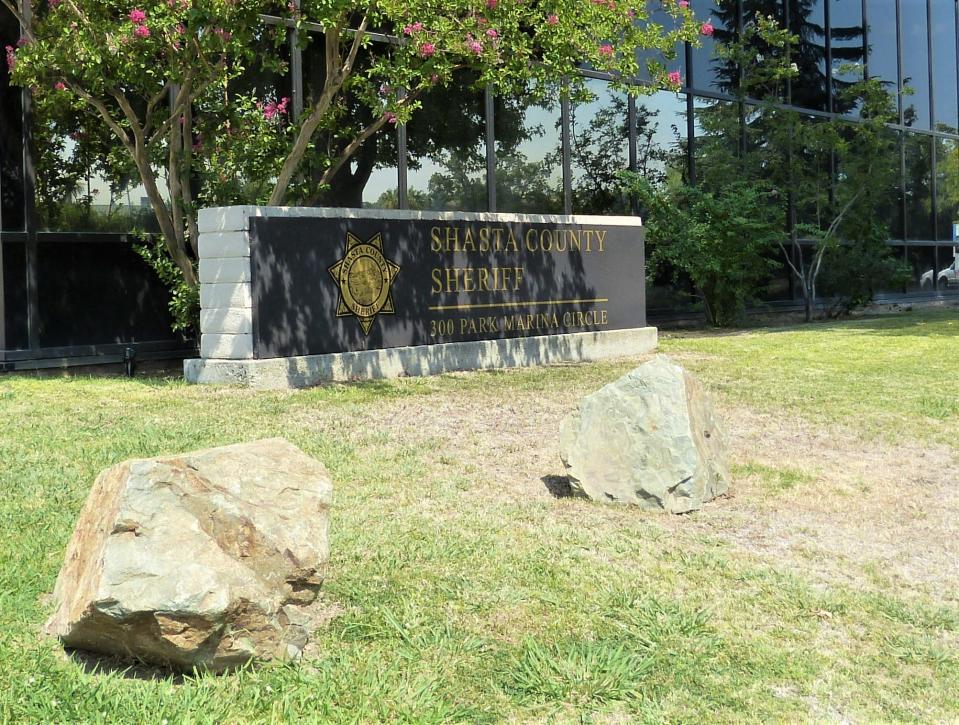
pixel 157 75
pixel 134 72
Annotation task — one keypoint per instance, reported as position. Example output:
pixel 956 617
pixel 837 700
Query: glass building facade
pixel 63 224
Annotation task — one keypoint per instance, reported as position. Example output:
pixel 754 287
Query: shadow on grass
pixel 559 486
pixel 94 663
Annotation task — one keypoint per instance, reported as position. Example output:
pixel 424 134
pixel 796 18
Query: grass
pixel 468 593
pixel 894 377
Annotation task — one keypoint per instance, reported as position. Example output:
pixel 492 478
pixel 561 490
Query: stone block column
pixel 226 297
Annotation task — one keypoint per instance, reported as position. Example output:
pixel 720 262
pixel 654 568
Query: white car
pixel 947 277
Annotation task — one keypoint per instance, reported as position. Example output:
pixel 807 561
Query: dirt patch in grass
pixel 817 500
pixel 846 509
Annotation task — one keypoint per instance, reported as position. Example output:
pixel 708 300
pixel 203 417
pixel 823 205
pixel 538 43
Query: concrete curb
pixel 309 370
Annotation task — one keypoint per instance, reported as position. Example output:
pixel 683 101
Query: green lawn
pixel 466 592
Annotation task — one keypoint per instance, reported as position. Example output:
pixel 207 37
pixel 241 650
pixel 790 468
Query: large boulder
pixel 204 560
pixel 650 438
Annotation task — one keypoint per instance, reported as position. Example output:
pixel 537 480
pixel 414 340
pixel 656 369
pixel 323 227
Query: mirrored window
pixel 848 49
pixel 446 146
pixel 944 65
pixel 918 186
pixel 709 72
pixel 947 187
pixel 883 46
pixel 915 63
pixel 807 20
pixel 529 168
pixel 11 137
pixel 599 150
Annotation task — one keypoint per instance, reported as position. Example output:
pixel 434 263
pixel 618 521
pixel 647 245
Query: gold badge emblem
pixel 364 277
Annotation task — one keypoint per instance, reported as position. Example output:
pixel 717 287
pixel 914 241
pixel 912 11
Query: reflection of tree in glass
pixel 947 189
pixel 811 86
pixel 450 133
pixel 528 126
pixel 11 158
pixel 82 181
pixel 918 187
pixel 599 151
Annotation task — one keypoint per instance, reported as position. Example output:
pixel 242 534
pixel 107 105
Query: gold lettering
pixel 561 237
pixel 546 240
pixel 575 241
pixel 437 281
pixel 531 240
pixel 588 233
pixel 484 239
pixel 452 280
pixel 510 242
pixel 468 285
pixel 452 239
pixel 483 274
pixel 436 244
pixel 519 277
pixel 601 234
pixel 469 245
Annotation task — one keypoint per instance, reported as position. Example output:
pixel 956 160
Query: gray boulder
pixel 205 560
pixel 651 439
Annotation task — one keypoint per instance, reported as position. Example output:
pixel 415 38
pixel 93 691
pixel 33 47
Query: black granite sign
pixel 323 285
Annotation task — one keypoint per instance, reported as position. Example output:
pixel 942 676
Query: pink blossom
pixel 137 16
pixel 180 29
pixel 706 28
pixel 384 89
pixel 474 46
pixel 60 86
pixel 11 57
pixel 684 4
pixel 22 42
pixel 552 19
pixel 491 4
pixel 390 117
pixel 273 109
pixel 606 50
pixel 413 28
pixel 434 78
pixel 675 78
pixel 492 34
pixel 427 50
pixel 141 31
pixel 224 35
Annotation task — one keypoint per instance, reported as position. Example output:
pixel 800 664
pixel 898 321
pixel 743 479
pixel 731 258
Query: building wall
pixel 471 150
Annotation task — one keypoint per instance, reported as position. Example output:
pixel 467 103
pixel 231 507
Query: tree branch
pixel 336 75
pixel 351 147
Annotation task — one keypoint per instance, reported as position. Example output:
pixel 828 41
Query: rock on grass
pixel 205 560
pixel 650 438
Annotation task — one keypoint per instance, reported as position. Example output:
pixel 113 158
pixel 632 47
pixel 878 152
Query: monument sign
pixel 295 296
